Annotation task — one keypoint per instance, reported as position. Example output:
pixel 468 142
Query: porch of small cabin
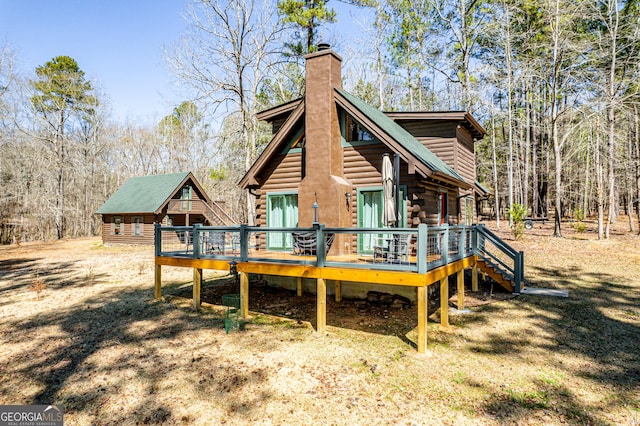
pixel 428 256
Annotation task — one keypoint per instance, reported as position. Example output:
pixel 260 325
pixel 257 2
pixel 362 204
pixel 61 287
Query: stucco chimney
pixel 324 176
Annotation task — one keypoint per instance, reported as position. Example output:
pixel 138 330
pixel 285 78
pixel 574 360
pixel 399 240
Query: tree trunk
pixel 599 184
pixel 557 231
pixel 611 115
pixel 59 217
pixel 527 147
pixel 535 202
pixel 495 170
pixel 636 134
pixel 629 183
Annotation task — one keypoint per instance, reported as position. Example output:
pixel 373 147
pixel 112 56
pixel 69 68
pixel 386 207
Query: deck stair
pixel 503 279
pixel 499 260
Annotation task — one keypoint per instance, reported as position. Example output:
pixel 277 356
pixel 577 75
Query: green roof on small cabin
pixel 406 139
pixel 143 194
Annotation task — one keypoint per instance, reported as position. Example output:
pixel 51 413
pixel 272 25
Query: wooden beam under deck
pixel 371 276
pixel 444 302
pixel 244 294
pixel 186 262
pixel 321 274
pixel 423 303
pixel 157 288
pixel 321 308
pixel 197 286
pixel 460 289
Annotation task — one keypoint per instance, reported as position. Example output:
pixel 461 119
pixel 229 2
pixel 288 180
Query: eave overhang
pixel 250 179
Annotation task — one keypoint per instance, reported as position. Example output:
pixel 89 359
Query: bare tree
pixel 228 49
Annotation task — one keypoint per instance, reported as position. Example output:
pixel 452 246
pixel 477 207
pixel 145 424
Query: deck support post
pixel 444 302
pixel 197 286
pixel 244 294
pixel 422 295
pixel 460 282
pixel 474 277
pixel 338 291
pixel 157 288
pixel 299 286
pixel 322 305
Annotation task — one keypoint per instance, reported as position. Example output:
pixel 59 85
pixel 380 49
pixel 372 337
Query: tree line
pixel 554 82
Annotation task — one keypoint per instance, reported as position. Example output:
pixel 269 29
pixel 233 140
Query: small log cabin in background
pixel 177 199
pixel 328 148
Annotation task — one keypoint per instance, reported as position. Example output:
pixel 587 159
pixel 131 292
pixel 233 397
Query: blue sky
pixel 119 43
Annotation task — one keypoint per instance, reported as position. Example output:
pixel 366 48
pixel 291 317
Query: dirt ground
pixel 79 328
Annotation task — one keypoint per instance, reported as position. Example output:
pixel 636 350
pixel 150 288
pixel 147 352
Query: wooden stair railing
pixel 498 259
pixel 214 218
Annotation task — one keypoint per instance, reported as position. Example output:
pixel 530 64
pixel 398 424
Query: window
pixel 355 132
pixel 169 220
pixel 282 212
pixel 138 226
pixel 185 196
pixel 370 205
pixel 116 226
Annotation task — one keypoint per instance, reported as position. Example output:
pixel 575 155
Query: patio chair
pixel 215 243
pixel 394 249
pixel 186 238
pixel 305 243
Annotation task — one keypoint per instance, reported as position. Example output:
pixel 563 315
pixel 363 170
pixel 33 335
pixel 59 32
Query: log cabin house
pixel 322 175
pixel 328 149
pixel 177 199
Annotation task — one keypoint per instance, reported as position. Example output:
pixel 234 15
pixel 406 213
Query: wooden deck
pixel 432 256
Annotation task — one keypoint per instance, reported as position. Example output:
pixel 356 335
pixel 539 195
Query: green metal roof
pixel 406 139
pixel 482 188
pixel 143 194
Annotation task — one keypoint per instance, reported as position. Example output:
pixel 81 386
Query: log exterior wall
pixel 283 174
pixel 362 168
pixel 126 235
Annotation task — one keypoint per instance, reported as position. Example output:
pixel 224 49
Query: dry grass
pixel 100 346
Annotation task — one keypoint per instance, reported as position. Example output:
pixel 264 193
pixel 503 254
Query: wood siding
pixel 283 174
pixel 362 168
pixel 453 144
pixel 444 148
pixel 126 235
pixel 465 155
pixel 430 128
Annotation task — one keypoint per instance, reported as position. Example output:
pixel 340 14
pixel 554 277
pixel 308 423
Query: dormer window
pixel 355 132
pixel 299 142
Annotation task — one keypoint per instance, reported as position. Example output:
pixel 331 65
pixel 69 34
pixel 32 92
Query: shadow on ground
pixel 597 327
pixel 381 317
pixel 82 355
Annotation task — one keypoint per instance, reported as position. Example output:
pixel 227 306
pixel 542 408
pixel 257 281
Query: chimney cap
pixel 323 46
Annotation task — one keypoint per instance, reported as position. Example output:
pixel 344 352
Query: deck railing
pixel 414 249
pixel 500 255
